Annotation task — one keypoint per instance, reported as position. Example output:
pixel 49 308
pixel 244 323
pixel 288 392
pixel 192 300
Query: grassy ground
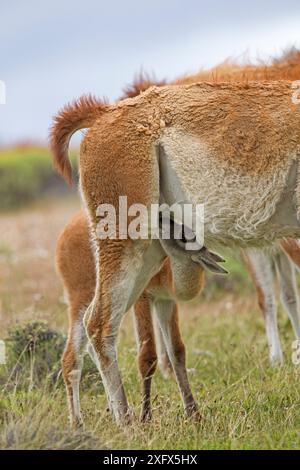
pixel 245 405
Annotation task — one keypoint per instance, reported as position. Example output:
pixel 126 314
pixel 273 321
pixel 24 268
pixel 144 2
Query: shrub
pixel 26 174
pixel 34 356
pixel 33 353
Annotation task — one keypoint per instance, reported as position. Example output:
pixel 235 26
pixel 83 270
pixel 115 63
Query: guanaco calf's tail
pixel 74 116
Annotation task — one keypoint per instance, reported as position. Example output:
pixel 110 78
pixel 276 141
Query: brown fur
pixel 286 67
pixel 232 72
pixel 147 359
pixel 141 83
pixel 292 249
pixel 245 115
pixel 261 301
pixel 81 113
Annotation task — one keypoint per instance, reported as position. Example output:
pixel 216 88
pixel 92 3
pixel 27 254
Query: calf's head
pixel 187 264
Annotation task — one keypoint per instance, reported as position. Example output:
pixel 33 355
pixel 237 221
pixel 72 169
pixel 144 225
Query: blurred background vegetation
pixel 26 174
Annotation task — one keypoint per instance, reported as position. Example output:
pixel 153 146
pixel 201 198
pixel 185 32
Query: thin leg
pixel 292 248
pixel 147 352
pixel 124 271
pixel 72 362
pixel 163 360
pixel 260 265
pixel 102 327
pixel 167 315
pixel 289 294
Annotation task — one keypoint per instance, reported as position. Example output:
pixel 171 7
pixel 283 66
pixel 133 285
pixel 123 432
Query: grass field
pixel 244 404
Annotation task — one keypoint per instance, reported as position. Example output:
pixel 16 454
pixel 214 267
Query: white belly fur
pixel 239 209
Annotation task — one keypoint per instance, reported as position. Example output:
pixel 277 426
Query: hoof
pixel 77 424
pixel 146 415
pixel 193 413
pixel 126 419
pixel 276 361
pixel 166 368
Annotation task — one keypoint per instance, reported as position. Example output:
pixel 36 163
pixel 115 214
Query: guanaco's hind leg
pixel 292 248
pixel 109 170
pixel 72 362
pixel 260 267
pixel 167 314
pixel 125 269
pixel 163 360
pixel 289 294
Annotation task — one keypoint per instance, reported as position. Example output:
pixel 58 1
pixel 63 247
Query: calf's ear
pixel 209 260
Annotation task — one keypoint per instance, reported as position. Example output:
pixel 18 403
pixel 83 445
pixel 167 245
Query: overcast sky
pixel 53 51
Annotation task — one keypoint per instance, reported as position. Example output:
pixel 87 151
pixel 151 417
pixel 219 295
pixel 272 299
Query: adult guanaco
pixel 232 146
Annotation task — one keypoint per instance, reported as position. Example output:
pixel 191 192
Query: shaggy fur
pixel 286 67
pixel 241 138
pixel 70 119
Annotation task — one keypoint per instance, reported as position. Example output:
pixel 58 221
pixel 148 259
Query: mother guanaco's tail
pixel 80 114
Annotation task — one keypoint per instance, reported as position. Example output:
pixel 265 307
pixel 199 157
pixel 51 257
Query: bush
pixel 33 353
pixel 34 356
pixel 26 174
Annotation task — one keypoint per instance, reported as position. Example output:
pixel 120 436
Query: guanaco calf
pixel 75 263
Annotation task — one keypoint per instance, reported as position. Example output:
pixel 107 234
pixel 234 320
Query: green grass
pixel 244 403
pixel 25 175
pixel 236 282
